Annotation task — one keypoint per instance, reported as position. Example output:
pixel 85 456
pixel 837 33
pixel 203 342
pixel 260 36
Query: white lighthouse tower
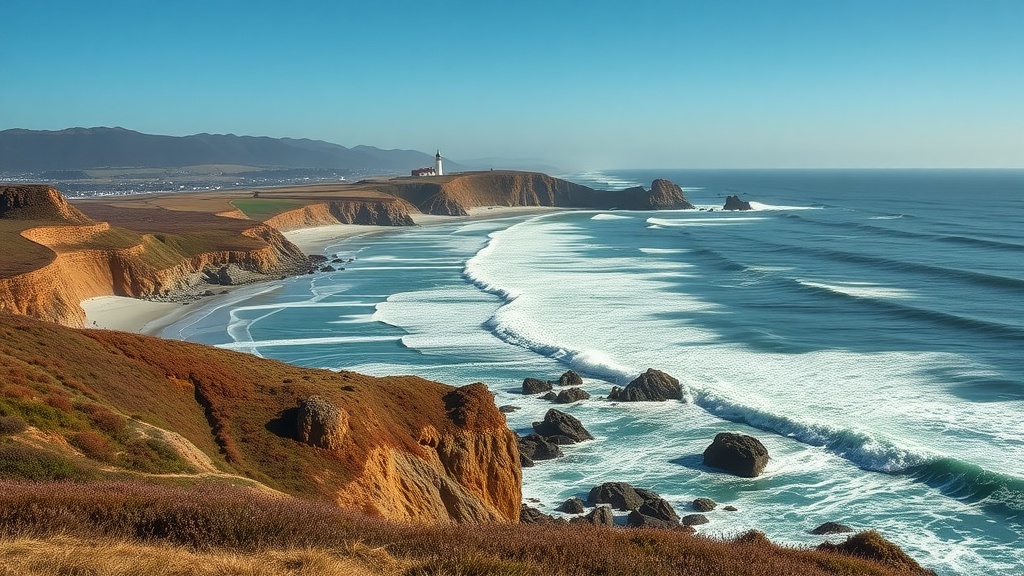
pixel 437 164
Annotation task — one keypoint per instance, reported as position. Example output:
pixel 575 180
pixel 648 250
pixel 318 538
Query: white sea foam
pixel 664 250
pixel 708 221
pixel 761 206
pixel 861 289
pixel 890 217
pixel 610 217
pixel 250 344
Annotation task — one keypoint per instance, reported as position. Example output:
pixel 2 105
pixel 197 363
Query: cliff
pixel 408 448
pixel 455 195
pixel 373 212
pixel 86 259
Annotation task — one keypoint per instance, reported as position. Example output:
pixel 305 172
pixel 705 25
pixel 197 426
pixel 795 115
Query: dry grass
pixel 229 522
pixel 61 556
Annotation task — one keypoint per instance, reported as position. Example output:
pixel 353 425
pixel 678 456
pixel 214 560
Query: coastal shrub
pixel 207 517
pixel 60 402
pixel 39 414
pixel 11 425
pixel 153 456
pixel 105 419
pixel 94 445
pixel 25 462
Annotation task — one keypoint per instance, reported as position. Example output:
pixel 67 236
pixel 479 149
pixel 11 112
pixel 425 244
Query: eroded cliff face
pixel 81 268
pixel 465 470
pixel 38 202
pixel 382 212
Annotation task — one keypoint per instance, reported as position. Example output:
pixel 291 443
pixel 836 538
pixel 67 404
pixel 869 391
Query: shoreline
pixel 150 317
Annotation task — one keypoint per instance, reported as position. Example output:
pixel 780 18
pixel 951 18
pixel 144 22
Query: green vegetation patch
pixel 263 208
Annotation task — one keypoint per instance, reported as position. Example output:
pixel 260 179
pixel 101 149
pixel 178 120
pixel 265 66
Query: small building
pixel 424 172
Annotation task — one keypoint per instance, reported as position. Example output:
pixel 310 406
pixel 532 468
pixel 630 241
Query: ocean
pixel 866 326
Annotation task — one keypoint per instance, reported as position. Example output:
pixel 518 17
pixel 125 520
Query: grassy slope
pixel 204 522
pixel 232 406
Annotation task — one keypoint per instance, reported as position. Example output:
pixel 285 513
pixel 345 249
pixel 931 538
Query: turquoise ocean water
pixel 867 326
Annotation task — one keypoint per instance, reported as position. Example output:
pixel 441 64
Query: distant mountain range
pixel 85 148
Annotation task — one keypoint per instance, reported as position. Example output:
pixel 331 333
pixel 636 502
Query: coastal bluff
pixel 57 256
pixel 454 195
pixel 400 448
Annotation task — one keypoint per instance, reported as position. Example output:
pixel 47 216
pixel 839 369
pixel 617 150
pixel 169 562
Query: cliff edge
pixel 402 448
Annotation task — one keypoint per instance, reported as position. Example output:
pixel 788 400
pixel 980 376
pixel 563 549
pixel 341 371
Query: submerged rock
pixel 737 454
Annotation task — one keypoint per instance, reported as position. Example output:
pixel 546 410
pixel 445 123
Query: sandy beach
pixel 147 317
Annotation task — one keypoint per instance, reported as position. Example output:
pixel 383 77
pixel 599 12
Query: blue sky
pixel 591 84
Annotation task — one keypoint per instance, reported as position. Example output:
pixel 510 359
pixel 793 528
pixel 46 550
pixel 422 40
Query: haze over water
pixel 865 325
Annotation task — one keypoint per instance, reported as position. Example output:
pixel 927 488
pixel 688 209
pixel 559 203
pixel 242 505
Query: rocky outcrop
pixel 619 495
pixel 599 516
pixel 571 506
pixel 737 454
pixel 831 528
pixel 666 195
pixel 557 424
pixel 653 385
pixel 535 386
pixel 38 202
pixel 570 378
pixel 530 515
pixel 320 423
pixel 570 395
pixel 694 519
pixel 536 447
pixel 704 505
pixel 368 211
pixel 735 203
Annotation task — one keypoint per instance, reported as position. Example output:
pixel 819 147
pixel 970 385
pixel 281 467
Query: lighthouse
pixel 437 164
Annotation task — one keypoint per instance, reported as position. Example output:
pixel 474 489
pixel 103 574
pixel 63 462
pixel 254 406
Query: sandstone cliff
pixel 382 212
pixel 93 259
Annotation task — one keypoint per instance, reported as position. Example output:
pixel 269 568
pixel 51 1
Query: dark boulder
pixel 731 509
pixel 320 423
pixel 637 519
pixel 529 515
pixel 507 408
pixel 704 504
pixel 653 385
pixel 694 519
pixel 535 386
pixel 734 203
pixel 570 378
pixel 737 454
pixel 659 508
pixel 525 461
pixel 619 495
pixel 549 396
pixel 557 423
pixel 831 528
pixel 571 506
pixel 599 516
pixel 570 395
pixel 536 447
pixel 328 268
